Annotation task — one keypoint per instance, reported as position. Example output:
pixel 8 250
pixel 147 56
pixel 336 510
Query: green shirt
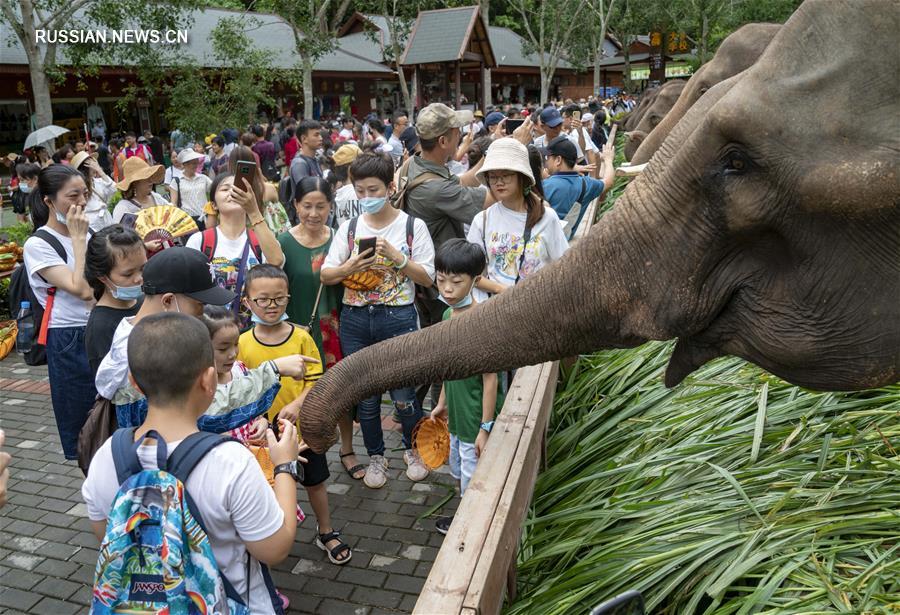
pixel 463 398
pixel 302 266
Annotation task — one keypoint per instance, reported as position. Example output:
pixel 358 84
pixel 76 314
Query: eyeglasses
pixel 501 179
pixel 265 302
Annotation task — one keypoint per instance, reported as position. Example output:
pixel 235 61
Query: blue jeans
pixel 71 384
pixel 368 325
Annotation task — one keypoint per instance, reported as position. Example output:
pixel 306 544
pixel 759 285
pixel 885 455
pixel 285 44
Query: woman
pixel 219 158
pixel 520 233
pixel 266 193
pixel 60 200
pixel 291 145
pixel 231 247
pixel 312 303
pixel 102 188
pixel 114 268
pixel 190 192
pixel 137 184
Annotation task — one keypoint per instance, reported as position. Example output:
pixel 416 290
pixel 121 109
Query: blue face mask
pixel 462 303
pixel 24 188
pixel 127 293
pixel 372 204
pixel 59 217
pixel 259 321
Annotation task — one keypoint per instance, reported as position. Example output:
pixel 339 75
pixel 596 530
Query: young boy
pixel 472 402
pixel 240 510
pixel 271 337
pixel 380 305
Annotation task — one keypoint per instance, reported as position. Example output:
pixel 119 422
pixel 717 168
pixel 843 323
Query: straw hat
pixel 135 169
pixel 78 158
pixel 506 154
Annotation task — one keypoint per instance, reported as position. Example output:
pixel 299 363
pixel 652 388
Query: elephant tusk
pixel 629 170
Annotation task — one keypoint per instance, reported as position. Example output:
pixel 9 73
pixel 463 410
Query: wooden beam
pixel 471 55
pixel 458 77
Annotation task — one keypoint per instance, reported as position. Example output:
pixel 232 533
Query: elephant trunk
pixel 527 324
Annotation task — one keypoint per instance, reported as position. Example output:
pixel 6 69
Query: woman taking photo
pixel 312 303
pixel 266 193
pixel 240 240
pixel 114 268
pixel 520 233
pixel 101 186
pixel 54 260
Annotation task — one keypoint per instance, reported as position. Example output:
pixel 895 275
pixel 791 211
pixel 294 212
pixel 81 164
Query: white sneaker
pixel 376 473
pixel 415 467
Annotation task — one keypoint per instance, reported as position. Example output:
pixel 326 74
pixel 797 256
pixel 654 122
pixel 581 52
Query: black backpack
pixel 20 290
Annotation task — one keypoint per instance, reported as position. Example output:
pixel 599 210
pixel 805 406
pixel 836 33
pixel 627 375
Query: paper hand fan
pixel 164 222
pixel 431 439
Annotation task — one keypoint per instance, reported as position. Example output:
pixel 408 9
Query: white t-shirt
pixel 395 288
pixel 542 141
pixel 68 310
pixel 171 173
pixel 346 134
pixel 346 204
pixel 127 207
pixel 112 374
pixel 503 237
pixel 233 497
pixel 194 193
pixel 396 146
pixel 102 188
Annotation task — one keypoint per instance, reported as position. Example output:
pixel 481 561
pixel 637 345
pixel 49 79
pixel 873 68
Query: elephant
pixel 665 99
pixel 736 53
pixel 631 120
pixel 767 227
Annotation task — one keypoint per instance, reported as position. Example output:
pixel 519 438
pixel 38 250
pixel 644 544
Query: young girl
pixel 520 233
pixel 60 200
pixel 311 302
pixel 114 269
pixel 231 247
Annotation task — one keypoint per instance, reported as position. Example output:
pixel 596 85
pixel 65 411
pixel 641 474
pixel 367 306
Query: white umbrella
pixel 41 135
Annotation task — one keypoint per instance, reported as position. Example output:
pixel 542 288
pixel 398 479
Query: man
pixel 133 148
pixel 576 132
pixel 494 123
pixel 398 125
pixel 565 186
pixel 266 152
pixel 155 145
pixel 304 164
pixel 445 202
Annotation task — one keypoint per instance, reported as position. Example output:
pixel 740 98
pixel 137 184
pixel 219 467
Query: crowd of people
pixel 346 233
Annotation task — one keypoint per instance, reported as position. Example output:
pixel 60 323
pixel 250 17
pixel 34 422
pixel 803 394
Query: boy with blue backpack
pixel 187 521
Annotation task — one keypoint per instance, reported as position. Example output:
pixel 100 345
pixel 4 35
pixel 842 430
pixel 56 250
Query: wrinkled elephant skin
pixel 767 226
pixel 737 53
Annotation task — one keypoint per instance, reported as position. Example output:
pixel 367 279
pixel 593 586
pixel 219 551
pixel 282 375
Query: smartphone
pixel 576 115
pixel 245 171
pixel 512 125
pixel 367 243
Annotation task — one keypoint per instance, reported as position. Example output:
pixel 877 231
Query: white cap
pixel 187 154
pixel 587 117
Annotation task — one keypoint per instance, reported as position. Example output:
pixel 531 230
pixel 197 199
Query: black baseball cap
pixel 184 271
pixel 562 146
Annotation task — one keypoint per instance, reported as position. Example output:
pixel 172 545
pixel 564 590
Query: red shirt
pixel 290 150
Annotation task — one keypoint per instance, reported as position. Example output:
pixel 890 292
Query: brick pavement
pixel 47 551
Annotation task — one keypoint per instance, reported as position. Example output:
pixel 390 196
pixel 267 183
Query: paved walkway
pixel 48 553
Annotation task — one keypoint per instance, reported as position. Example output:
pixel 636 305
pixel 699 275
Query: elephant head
pixel 737 52
pixel 767 226
pixel 630 121
pixel 665 99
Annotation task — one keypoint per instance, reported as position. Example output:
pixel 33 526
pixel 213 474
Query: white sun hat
pixel 506 154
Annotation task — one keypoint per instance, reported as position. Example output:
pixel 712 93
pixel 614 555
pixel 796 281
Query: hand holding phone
pixel 244 172
pixel 366 244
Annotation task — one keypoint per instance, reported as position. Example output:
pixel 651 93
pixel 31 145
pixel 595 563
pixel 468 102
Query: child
pixel 379 295
pixel 241 512
pixel 271 337
pixel 472 402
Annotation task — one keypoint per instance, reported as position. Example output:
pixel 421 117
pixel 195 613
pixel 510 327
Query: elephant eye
pixel 736 163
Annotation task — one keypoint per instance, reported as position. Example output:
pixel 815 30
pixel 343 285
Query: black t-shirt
pixel 101 327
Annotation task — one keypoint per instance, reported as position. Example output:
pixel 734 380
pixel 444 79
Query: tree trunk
pixel 626 54
pixel 404 90
pixel 40 88
pixel 597 57
pixel 704 38
pixel 307 89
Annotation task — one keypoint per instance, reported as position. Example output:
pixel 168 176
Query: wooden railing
pixel 476 566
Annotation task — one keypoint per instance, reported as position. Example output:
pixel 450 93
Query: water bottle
pixel 25 322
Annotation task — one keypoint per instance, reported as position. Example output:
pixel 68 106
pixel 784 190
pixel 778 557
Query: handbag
pixel 100 425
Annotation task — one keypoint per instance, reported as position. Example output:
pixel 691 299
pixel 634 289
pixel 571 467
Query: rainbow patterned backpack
pixel 156 556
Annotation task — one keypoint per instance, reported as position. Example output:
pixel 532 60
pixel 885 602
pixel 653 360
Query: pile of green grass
pixel 733 493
